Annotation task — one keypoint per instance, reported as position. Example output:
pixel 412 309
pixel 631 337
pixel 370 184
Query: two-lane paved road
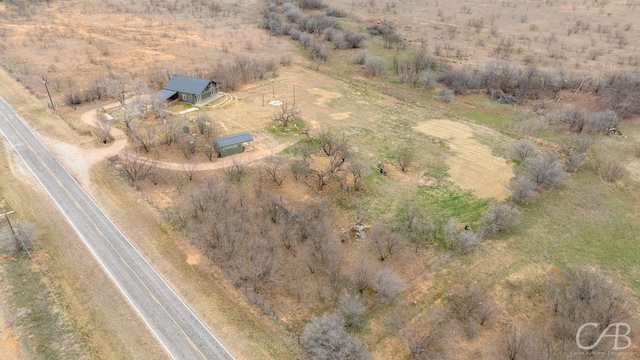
pixel 177 328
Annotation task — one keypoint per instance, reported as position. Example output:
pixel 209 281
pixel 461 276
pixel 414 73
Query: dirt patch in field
pixel 324 95
pixel 8 344
pixel 473 166
pixel 340 116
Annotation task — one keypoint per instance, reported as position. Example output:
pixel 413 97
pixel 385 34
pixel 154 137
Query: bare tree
pixel 258 262
pixel 332 144
pixel 190 169
pixel 203 122
pixel 155 173
pixel 273 168
pixel 287 114
pixel 324 338
pixel 388 285
pixel 516 342
pixel 169 132
pixel 187 146
pixel 104 128
pixel 134 168
pixel 209 152
pixel 384 241
pixel 145 137
pixel 357 170
pixel 362 276
pixel 470 305
pixel 425 335
pixel 129 115
pixel 405 157
pixel 116 85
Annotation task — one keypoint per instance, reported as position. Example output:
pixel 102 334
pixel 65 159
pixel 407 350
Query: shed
pixel 187 89
pixel 232 144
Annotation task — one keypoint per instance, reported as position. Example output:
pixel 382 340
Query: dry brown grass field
pixel 518 285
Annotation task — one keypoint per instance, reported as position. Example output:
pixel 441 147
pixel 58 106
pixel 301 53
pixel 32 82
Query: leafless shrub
pixel 73 97
pixel 236 172
pixel 335 12
pixel 544 170
pixel 611 170
pixel 621 94
pixel 498 217
pixel 447 95
pixel 458 80
pixel 522 189
pixel 325 338
pixel 576 151
pixel 585 296
pixel 602 121
pixel 524 149
pixel 311 4
pixel 388 285
pixel 375 65
pixel 410 69
pixel 569 117
pixel 353 309
pixel 460 241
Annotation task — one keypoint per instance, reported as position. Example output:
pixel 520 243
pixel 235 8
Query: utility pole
pixel 6 214
pixel 44 81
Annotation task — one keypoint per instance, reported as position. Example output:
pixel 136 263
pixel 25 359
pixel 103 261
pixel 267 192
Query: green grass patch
pixel 305 143
pixel 293 127
pixel 586 223
pixel 481 109
pixel 442 202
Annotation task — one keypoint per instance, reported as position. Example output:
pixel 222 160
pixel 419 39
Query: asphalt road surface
pixel 172 322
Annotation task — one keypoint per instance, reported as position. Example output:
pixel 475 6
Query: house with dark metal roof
pixel 232 144
pixel 187 89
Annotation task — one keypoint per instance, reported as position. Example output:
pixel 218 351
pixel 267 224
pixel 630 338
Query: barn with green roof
pixel 188 89
pixel 232 144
